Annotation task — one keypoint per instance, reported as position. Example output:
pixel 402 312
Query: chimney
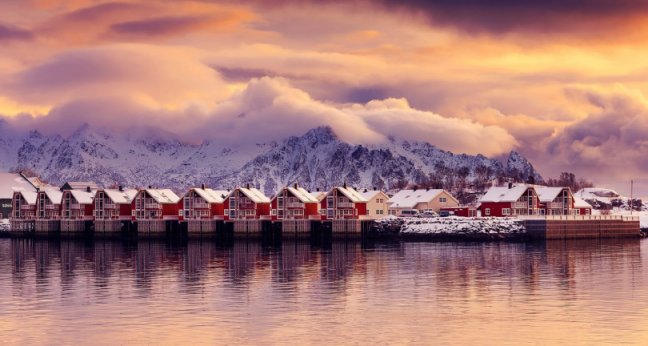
pixel 415 188
pixel 247 186
pixel 121 188
pixel 202 186
pixel 374 188
pixel 510 185
pixel 150 187
pixel 344 186
pixel 296 186
pixel 365 190
pixel 88 189
pixel 317 189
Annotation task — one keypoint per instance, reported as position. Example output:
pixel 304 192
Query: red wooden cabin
pixel 294 203
pixel 155 204
pixel 247 203
pixel 511 200
pixel 77 205
pixel 203 204
pixel 48 204
pixel 23 205
pixel 343 202
pixel 114 204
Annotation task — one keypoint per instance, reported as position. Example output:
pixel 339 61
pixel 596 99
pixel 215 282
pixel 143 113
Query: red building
pixel 48 204
pixel 203 204
pixel 23 205
pixel 247 203
pixel 155 204
pixel 294 203
pixel 343 202
pixel 511 200
pixel 581 207
pixel 114 204
pixel 77 205
pixel 465 211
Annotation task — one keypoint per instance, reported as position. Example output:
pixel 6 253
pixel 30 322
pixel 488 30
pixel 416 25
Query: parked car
pixel 408 213
pixel 428 213
pixel 446 213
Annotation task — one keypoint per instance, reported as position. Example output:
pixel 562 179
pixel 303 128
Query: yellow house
pixel 421 200
pixel 377 206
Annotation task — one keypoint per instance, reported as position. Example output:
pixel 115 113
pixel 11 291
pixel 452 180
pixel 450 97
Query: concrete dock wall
pixel 582 227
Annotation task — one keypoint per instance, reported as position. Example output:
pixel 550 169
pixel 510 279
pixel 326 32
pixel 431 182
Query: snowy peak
pixel 317 159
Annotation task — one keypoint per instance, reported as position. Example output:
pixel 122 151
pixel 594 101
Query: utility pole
pixel 631 196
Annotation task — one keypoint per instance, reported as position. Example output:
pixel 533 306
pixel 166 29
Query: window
pixel 487 211
pixel 330 213
pixel 443 199
pixel 506 211
pixel 380 212
pixel 577 211
pixel 274 211
pixel 281 214
pixel 280 202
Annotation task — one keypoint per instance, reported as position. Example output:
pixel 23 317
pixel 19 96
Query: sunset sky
pixel 561 81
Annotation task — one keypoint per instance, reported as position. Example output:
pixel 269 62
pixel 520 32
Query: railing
pixel 110 206
pixel 75 206
pixel 345 205
pixel 201 206
pixel 52 207
pixel 27 207
pixel 152 206
pixel 555 205
pixel 578 217
pixel 295 205
pixel 520 205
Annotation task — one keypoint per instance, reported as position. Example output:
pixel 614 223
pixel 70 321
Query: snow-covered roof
pixel 255 195
pixel 504 193
pixel 163 196
pixel 29 196
pixel 370 194
pixel 10 182
pixel 303 195
pixel 548 193
pixel 54 195
pixel 580 203
pixel 82 196
pixel 120 197
pixel 598 194
pixel 410 198
pixel 353 195
pixel 212 196
pixel 82 185
pixel 320 195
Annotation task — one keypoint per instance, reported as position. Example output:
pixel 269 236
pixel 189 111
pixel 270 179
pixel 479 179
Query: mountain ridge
pixel 316 159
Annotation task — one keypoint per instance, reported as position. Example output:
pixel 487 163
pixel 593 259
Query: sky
pixel 561 81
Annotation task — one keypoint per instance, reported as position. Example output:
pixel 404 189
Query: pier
pixel 582 227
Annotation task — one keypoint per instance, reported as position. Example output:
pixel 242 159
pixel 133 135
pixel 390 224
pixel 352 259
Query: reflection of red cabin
pixel 343 202
pixel 155 204
pixel 77 205
pixel 511 200
pixel 247 203
pixel 48 204
pixel 112 204
pixel 24 205
pixel 294 203
pixel 203 204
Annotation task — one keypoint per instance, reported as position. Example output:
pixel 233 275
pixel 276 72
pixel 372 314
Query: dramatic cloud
pixel 11 33
pixel 560 81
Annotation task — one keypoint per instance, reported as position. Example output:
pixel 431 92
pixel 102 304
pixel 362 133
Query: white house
pixel 422 199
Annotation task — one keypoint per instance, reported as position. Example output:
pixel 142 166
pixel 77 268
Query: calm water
pixel 67 292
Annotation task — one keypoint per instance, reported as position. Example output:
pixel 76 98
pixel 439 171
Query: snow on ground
pixel 5 226
pixel 643 216
pixel 456 225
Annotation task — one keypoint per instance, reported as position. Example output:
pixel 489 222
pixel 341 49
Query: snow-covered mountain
pixel 318 159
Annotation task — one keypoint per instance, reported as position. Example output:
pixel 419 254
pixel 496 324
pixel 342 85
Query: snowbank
pixel 5 226
pixel 452 228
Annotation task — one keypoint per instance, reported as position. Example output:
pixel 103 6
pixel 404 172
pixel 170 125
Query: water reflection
pixel 343 291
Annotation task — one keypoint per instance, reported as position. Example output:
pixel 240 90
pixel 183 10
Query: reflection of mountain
pixel 318 159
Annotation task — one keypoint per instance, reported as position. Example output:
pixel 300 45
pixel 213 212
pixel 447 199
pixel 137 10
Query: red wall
pixel 362 208
pixel 170 209
pixel 495 208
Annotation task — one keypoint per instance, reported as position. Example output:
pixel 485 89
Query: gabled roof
pixel 10 182
pixel 163 196
pixel 81 185
pixel 29 196
pixel 580 203
pixel 54 195
pixel 212 196
pixel 120 197
pixel 410 198
pixel 353 195
pixel 255 195
pixel 505 194
pixel 548 193
pixel 320 195
pixel 370 194
pixel 82 196
pixel 303 195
